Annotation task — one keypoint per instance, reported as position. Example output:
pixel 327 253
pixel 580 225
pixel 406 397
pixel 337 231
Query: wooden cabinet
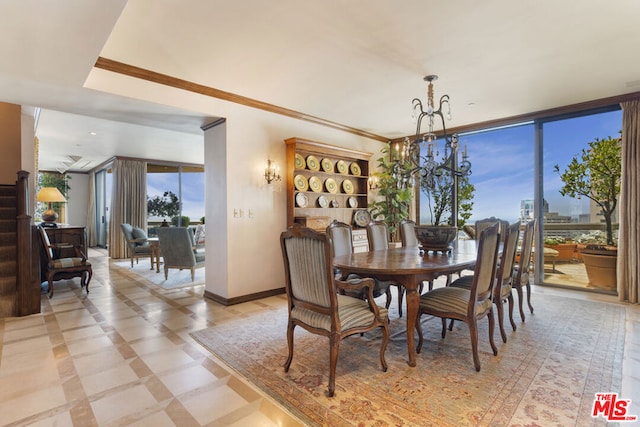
pixel 336 183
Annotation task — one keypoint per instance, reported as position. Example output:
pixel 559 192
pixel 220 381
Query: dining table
pixel 409 267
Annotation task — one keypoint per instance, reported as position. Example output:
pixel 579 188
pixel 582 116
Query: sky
pixel 503 164
pixel 192 191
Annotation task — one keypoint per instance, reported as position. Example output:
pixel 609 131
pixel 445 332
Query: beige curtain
pixel 92 238
pixel 128 202
pixel 629 208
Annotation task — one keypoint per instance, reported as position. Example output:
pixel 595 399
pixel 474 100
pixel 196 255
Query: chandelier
pixel 409 162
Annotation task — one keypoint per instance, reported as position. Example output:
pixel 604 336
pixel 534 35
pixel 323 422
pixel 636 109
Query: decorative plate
pixel 301 183
pixel 331 185
pixel 315 184
pixel 335 204
pixel 355 169
pixel 323 202
pixel 353 202
pixel 347 186
pixel 361 217
pixel 300 163
pixel 343 168
pixel 302 200
pixel 313 164
pixel 327 165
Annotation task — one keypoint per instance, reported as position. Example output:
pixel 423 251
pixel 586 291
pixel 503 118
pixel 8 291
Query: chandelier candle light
pixel 426 167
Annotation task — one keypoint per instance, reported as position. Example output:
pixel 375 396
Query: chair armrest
pixel 361 283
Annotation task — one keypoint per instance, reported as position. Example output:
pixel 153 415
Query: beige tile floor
pixel 123 356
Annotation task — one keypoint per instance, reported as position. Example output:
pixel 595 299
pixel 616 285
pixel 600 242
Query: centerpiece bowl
pixel 436 237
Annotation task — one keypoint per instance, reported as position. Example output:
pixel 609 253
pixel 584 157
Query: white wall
pixel 246 257
pixel 77 199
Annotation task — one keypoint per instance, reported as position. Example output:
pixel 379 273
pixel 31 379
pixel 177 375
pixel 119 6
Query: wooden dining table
pixel 409 267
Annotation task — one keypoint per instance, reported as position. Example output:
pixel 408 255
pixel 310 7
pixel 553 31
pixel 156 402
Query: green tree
pixel 437 189
pixel 395 194
pixel 596 173
pixel 165 206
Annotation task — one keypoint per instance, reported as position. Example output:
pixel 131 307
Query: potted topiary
pixel 596 174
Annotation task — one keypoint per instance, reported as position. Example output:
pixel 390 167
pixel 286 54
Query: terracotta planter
pixel 566 251
pixel 601 267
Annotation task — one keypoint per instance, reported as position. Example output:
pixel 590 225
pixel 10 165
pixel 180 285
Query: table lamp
pixel 50 195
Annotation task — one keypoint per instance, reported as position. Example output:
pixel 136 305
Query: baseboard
pixel 244 298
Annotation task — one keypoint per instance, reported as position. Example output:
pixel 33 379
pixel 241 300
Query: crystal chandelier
pixel 426 166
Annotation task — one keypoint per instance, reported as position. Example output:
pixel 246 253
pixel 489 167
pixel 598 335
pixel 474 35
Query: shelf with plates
pixel 325 181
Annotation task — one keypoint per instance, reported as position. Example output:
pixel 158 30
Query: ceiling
pixel 358 63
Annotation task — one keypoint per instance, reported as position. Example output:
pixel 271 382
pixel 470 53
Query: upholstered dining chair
pixel 467 305
pixel 487 222
pixel 408 234
pixel 137 243
pixel 341 240
pixel 378 238
pixel 521 277
pixel 178 250
pixel 65 268
pixel 314 303
pixel 502 287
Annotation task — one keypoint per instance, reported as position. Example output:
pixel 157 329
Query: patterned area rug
pixel 177 278
pixel 547 373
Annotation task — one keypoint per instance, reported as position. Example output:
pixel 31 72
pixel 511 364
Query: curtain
pixel 629 209
pixel 92 238
pixel 128 202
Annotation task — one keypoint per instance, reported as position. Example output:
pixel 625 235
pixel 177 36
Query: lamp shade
pixel 50 194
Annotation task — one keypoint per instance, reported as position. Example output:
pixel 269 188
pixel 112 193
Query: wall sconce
pixel 374 183
pixel 50 195
pixel 271 172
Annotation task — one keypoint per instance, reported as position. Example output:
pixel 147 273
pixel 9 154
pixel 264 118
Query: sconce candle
pixel 272 172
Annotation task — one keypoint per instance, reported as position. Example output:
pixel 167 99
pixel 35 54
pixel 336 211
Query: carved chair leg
pixel 290 328
pixel 383 346
pixel 333 363
pixel 473 334
pixel 510 300
pixel 500 308
pixel 419 330
pixel 491 329
pixel 520 296
pixel 400 298
pixel 529 297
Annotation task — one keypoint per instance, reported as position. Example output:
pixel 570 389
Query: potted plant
pixel 596 174
pixel 394 194
pixel 566 248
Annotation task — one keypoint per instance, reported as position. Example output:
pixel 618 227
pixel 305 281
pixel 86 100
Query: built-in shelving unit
pixel 345 190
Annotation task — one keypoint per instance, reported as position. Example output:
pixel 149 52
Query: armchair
pixel 178 251
pixel 65 268
pixel 137 242
pixel 314 303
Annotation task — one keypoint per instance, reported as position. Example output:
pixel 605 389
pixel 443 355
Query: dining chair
pixel 409 240
pixel 314 304
pixel 178 250
pixel 467 305
pixel 341 239
pixel 521 270
pixel 64 268
pixel 486 222
pixel 378 238
pixel 502 286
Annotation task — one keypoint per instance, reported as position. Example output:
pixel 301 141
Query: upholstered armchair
pixel 137 243
pixel 65 268
pixel 467 305
pixel 178 250
pixel 314 303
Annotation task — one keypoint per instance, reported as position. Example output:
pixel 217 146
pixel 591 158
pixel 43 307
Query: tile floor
pixel 123 356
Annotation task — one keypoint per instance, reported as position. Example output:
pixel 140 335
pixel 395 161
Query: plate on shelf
pixel 313 164
pixel 352 202
pixel 331 185
pixel 315 184
pixel 323 202
pixel 361 217
pixel 347 186
pixel 355 169
pixel 300 163
pixel 301 183
pixel 343 168
pixel 302 200
pixel 327 165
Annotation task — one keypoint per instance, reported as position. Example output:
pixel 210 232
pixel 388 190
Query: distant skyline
pixel 503 164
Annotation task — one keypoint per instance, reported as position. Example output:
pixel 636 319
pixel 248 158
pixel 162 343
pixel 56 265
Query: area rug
pixel 177 278
pixel 547 373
